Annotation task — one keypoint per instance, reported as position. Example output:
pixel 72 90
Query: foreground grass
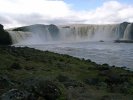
pixel 77 79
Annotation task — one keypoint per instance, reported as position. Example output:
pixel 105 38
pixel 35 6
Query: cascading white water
pixel 71 33
pixel 127 33
pixel 19 36
pixel 105 32
pixel 89 32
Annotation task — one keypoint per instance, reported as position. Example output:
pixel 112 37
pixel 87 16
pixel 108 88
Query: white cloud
pixel 47 9
pixel 34 6
pixel 25 12
pixel 110 12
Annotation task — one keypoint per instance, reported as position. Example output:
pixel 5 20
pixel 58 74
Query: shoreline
pixel 23 69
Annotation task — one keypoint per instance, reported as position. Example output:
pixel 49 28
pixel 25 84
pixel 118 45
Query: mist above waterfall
pixel 34 34
pixel 40 34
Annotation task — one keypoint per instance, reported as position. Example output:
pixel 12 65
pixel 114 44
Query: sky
pixel 15 13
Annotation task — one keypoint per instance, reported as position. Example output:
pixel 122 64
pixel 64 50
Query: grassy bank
pixel 51 76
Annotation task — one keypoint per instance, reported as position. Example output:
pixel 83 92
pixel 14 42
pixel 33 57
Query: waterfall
pixel 75 33
pixel 89 32
pixel 39 34
pixel 19 36
pixel 105 32
pixel 127 33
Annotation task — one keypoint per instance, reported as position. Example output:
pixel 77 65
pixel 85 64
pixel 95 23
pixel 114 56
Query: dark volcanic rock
pixel 5 82
pixel 131 32
pixel 42 88
pixel 123 41
pixel 122 28
pixel 1 27
pixel 15 94
pixel 5 38
pixel 53 29
pixel 33 89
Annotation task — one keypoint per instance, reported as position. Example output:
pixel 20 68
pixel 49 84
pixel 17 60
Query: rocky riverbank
pixel 123 41
pixel 29 74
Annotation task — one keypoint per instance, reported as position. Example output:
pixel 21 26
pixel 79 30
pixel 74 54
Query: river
pixel 118 54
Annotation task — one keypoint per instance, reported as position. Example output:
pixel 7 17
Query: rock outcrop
pixel 122 28
pixel 33 89
pixel 54 31
pixel 5 38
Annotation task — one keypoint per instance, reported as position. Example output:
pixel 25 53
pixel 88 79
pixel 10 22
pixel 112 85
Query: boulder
pixel 42 88
pixel 15 94
pixel 5 82
pixel 33 89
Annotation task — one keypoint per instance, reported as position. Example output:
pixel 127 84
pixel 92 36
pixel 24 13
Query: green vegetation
pixel 29 74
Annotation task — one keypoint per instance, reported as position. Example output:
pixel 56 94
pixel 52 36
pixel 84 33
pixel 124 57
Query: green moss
pixel 68 72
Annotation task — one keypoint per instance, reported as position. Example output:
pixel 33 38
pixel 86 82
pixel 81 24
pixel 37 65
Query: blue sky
pixel 84 4
pixel 14 13
pixel 92 4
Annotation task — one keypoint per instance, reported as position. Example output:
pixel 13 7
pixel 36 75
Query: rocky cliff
pixel 5 38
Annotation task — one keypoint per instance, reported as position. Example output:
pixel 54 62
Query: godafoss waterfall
pixel 95 42
pixel 98 64
pixel 45 33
